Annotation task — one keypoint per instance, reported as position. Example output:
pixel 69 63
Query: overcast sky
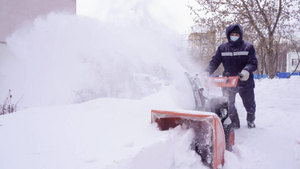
pixel 173 13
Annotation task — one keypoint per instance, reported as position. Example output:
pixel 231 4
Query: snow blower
pixel 213 129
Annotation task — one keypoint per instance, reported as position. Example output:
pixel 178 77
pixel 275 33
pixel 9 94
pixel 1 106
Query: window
pixel 294 62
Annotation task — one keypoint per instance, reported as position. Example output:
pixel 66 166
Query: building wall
pixel 14 13
pixel 202 46
pixel 292 61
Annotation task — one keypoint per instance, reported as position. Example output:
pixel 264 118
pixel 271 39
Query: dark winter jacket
pixel 235 56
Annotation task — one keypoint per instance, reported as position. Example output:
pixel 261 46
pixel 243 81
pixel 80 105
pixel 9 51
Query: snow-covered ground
pixel 88 88
pixel 117 133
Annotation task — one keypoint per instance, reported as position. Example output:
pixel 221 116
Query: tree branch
pixel 264 16
pixel 251 20
pixel 277 17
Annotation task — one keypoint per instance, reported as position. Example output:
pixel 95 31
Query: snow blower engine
pixel 213 129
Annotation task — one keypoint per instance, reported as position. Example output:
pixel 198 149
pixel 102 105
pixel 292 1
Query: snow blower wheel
pixel 229 136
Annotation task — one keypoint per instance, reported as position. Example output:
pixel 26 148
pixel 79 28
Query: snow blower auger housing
pixel 213 129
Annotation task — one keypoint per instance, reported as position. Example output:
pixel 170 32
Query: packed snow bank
pixel 62 59
pixel 104 133
pixel 172 153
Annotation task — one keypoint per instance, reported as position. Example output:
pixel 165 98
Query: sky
pixel 173 13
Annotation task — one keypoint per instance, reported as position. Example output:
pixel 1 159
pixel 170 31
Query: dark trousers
pixel 248 99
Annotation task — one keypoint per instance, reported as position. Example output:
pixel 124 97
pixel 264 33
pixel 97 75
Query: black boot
pixel 236 125
pixel 235 120
pixel 250 120
pixel 251 124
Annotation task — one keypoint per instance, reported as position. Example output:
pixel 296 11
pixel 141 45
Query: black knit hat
pixel 236 30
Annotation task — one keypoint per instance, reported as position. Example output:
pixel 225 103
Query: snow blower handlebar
pixel 229 81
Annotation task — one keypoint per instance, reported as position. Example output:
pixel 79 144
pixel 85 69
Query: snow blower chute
pixel 213 129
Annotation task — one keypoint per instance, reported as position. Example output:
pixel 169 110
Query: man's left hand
pixel 244 75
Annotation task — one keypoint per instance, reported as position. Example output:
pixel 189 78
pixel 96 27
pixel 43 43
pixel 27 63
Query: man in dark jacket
pixel 238 58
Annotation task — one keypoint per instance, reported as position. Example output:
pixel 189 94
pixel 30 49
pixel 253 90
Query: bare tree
pixel 262 20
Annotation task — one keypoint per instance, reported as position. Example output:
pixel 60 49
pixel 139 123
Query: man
pixel 238 59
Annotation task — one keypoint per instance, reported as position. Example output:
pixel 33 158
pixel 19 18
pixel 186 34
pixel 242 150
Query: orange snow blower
pixel 213 129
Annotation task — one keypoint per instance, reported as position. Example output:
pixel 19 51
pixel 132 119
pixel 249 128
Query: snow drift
pixel 116 133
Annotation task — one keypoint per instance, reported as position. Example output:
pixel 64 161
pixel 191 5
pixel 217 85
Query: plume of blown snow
pixel 62 58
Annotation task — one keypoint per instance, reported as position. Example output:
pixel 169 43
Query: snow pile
pixel 117 133
pixel 163 154
pixel 104 133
